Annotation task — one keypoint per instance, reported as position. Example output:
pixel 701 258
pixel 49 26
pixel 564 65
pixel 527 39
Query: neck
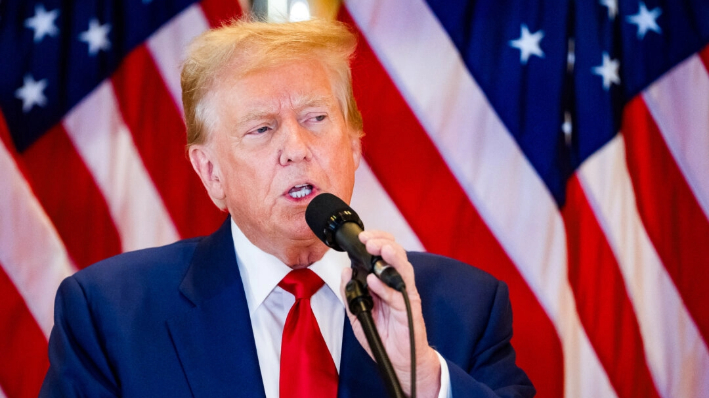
pixel 295 253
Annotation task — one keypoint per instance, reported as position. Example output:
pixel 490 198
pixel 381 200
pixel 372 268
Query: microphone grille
pixel 322 215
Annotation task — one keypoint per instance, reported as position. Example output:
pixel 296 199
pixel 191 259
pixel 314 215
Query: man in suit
pixel 271 123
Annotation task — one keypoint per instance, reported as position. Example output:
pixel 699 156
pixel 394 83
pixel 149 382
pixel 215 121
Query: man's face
pixel 280 139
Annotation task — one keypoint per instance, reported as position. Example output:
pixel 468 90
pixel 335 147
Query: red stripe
pixel 69 195
pixel 159 135
pixel 219 12
pixel 5 134
pixel 436 207
pixel 23 347
pixel 704 55
pixel 602 302
pixel 674 220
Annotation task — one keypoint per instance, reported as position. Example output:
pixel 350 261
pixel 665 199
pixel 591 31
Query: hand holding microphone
pixel 339 227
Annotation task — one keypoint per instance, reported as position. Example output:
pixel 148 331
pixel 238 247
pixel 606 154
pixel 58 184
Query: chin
pixel 300 231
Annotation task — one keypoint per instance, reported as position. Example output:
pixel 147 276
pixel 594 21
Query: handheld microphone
pixel 338 226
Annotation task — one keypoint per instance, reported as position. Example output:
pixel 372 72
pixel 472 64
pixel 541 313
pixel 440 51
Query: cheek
pixel 341 163
pixel 250 180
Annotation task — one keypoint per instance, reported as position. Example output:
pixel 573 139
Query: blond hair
pixel 248 46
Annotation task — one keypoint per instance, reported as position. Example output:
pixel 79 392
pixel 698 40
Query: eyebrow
pixel 255 115
pixel 311 101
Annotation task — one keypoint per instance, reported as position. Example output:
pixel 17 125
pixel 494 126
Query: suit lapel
pixel 359 376
pixel 214 340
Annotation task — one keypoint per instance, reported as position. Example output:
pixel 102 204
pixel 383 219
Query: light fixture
pixel 299 11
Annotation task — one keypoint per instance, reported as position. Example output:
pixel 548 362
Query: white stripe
pixel 489 165
pixel 169 43
pixel 676 354
pixel 31 251
pixel 378 211
pixel 97 130
pixel 679 103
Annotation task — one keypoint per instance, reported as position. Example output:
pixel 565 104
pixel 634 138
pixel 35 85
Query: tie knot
pixel 302 283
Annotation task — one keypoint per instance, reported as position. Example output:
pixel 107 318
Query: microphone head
pixel 325 214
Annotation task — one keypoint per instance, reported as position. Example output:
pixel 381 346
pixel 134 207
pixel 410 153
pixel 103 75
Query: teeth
pixel 300 191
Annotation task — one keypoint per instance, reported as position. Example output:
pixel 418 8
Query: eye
pixel 262 130
pixel 314 116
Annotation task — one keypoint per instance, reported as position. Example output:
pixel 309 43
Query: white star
pixel 32 93
pixel 646 20
pixel 42 22
pixel 608 70
pixel 612 7
pixel 96 37
pixel 528 44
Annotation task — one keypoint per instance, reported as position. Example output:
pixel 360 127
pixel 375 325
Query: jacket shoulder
pixel 445 276
pixel 141 263
pixel 129 277
pixel 460 303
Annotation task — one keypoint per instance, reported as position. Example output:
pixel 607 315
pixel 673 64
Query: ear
pixel 356 149
pixel 204 163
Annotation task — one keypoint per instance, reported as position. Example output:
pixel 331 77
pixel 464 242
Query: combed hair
pixel 246 46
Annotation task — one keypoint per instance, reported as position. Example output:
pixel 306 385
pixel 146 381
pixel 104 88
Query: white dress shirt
pixel 269 306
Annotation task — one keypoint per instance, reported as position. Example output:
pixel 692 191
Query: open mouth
pixel 300 191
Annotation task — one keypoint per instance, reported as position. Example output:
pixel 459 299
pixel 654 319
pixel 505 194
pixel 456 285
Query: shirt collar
pixel 261 272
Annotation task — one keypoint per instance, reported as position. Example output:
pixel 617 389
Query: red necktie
pixel 307 368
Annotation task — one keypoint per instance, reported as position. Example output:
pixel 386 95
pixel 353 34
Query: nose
pixel 295 143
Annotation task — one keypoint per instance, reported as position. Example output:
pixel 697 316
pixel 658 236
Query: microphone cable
pixel 392 279
pixel 412 340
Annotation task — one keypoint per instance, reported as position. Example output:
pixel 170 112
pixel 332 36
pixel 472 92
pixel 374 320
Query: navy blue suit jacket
pixel 173 322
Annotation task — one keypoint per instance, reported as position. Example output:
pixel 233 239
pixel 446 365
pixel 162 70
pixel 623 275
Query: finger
pixel 388 296
pixel 397 258
pixel 394 251
pixel 364 236
pixel 395 255
pixel 375 246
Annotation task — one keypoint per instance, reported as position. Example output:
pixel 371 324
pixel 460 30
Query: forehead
pixel 294 85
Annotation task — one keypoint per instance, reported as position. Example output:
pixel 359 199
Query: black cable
pixel 412 341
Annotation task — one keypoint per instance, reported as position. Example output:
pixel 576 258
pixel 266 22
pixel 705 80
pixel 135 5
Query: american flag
pixel 562 146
